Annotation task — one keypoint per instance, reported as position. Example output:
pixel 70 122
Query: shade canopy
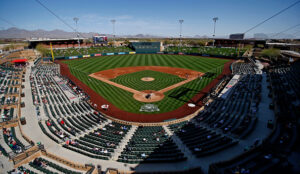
pixel 19 61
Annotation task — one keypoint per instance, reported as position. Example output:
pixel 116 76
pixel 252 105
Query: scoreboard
pixel 237 36
pixel 99 40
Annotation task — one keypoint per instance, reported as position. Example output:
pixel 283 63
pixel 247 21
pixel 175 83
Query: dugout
pixel 145 47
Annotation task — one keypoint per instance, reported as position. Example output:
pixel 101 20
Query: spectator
pixel 197 149
pixel 62 122
pixel 48 122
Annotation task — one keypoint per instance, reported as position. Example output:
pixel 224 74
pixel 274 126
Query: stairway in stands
pixel 123 143
pixel 184 149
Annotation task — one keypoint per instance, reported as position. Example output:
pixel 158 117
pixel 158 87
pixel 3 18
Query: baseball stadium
pixel 123 104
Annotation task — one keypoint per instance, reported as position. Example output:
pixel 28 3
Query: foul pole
pixel 52 51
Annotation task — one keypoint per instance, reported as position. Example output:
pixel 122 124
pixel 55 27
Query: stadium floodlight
pixel 215 21
pixel 180 30
pixel 75 19
pixel 113 21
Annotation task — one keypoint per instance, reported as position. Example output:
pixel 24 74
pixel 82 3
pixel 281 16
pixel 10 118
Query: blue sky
pixel 158 17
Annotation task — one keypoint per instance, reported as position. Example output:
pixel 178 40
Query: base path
pixel 117 113
pixel 114 84
pixel 156 96
pixel 177 85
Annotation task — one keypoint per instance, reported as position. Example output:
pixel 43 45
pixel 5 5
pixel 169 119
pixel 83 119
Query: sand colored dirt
pixel 181 72
pixel 187 74
pixel 147 79
pixel 155 96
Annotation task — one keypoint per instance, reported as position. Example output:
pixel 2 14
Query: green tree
pixel 6 48
pixel 271 53
pixel 166 42
pixel 248 47
pixel 126 42
pixel 200 43
pixel 191 42
pixel 43 50
pixel 175 42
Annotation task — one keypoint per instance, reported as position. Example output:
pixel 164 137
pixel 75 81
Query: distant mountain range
pixel 16 33
pixel 26 34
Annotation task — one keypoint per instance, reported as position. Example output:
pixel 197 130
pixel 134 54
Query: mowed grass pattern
pixel 81 68
pixel 133 80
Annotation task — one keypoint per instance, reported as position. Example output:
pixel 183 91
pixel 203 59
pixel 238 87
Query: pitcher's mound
pixel 148 96
pixel 147 79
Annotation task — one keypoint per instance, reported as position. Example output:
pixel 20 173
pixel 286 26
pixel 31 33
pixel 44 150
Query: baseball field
pixel 117 78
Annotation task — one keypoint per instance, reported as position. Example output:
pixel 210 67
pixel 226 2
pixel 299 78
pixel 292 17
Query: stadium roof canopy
pixel 34 42
pixel 49 39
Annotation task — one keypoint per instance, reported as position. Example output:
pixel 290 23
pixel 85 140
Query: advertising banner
pixel 121 52
pixel 86 56
pixel 97 54
pixel 109 54
pixel 131 52
pixel 73 57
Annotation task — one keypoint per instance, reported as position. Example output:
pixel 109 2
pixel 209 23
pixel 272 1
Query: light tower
pixel 180 30
pixel 75 19
pixel 215 21
pixel 113 21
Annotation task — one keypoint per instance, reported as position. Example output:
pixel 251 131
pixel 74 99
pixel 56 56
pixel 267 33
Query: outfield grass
pixel 81 68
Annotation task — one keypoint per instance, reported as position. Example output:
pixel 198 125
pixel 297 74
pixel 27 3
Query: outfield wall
pixel 88 55
pixel 132 52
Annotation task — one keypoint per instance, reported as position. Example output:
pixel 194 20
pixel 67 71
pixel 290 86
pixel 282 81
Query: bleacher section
pixel 243 68
pixel 228 119
pixel 285 87
pixel 235 114
pixel 151 144
pixel 273 155
pixel 9 90
pixel 201 141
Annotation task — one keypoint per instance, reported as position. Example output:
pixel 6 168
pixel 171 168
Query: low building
pixel 56 43
pixel 239 42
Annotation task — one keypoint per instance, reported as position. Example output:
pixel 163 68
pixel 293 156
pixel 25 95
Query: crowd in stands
pixel 9 89
pixel 21 170
pixel 11 140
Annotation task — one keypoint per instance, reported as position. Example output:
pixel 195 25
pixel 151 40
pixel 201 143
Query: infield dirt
pixel 156 96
